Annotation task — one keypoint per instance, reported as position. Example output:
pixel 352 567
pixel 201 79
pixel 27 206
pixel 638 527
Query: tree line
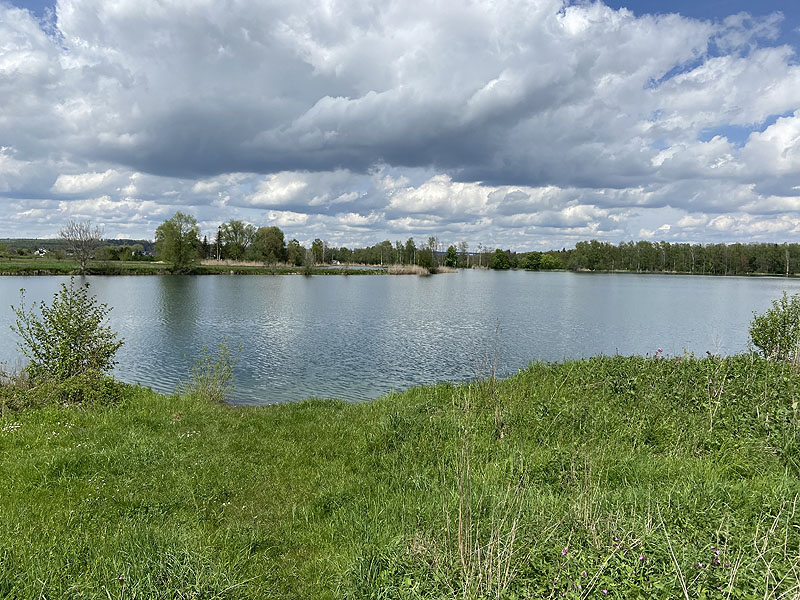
pixel 666 257
pixel 237 240
pixel 178 241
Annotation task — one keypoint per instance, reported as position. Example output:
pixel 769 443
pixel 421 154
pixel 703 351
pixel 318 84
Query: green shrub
pixel 86 388
pixel 776 333
pixel 68 338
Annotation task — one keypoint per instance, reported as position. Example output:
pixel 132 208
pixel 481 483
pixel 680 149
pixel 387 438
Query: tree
pixel 463 247
pixel 532 261
pixel 318 251
pixel 776 333
pixel 425 259
pixel 410 252
pixel 177 241
pixel 82 240
pixel 501 260
pixel 433 244
pixel 549 262
pixel 295 253
pixel 451 257
pixel 70 338
pixel 269 245
pixel 236 237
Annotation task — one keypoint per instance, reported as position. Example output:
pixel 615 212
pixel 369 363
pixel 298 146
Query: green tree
pixel 318 250
pixel 550 262
pixel 501 260
pixel 409 252
pixel 69 338
pixel 295 253
pixel 269 244
pixel 776 333
pixel 177 241
pixel 386 252
pixel 451 257
pixel 533 261
pixel 236 237
pixel 425 259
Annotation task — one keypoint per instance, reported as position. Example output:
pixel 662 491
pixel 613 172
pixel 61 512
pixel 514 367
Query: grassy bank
pixel 43 266
pixel 607 478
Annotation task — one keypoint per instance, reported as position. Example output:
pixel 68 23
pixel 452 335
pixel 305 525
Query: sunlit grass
pixel 610 477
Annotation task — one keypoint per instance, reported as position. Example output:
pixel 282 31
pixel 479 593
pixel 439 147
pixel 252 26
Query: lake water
pixel 359 337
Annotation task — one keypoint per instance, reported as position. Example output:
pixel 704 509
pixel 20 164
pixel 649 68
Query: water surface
pixel 359 337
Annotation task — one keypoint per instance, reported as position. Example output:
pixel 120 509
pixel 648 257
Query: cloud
pixel 523 124
pixel 81 183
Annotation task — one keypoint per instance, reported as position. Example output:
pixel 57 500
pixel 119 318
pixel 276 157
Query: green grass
pixel 45 266
pixel 617 474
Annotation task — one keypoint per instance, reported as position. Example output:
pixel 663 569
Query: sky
pixel 521 124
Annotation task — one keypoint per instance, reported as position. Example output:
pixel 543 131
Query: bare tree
pixel 464 248
pixel 82 239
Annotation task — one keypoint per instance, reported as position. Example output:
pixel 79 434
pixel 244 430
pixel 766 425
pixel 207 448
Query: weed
pixel 211 377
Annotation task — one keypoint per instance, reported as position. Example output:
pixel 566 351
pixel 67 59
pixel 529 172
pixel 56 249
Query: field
pixel 612 477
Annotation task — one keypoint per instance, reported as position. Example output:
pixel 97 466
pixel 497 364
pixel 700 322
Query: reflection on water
pixel 360 337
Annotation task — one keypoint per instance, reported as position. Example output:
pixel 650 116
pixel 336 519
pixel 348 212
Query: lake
pixel 359 337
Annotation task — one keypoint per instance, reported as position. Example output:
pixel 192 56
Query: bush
pixel 87 388
pixel 776 333
pixel 68 339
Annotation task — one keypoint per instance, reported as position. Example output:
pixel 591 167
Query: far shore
pixel 34 266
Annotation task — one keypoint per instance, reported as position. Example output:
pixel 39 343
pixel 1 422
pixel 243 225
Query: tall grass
pixel 407 270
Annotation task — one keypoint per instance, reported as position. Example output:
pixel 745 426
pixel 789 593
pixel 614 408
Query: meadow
pixel 611 477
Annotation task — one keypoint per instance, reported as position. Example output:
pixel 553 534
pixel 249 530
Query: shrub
pixel 776 333
pixel 69 338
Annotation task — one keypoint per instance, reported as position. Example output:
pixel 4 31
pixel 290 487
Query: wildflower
pixel 605 592
pixel 642 557
pixel 699 565
pixel 563 552
pixel 659 351
pixel 583 573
